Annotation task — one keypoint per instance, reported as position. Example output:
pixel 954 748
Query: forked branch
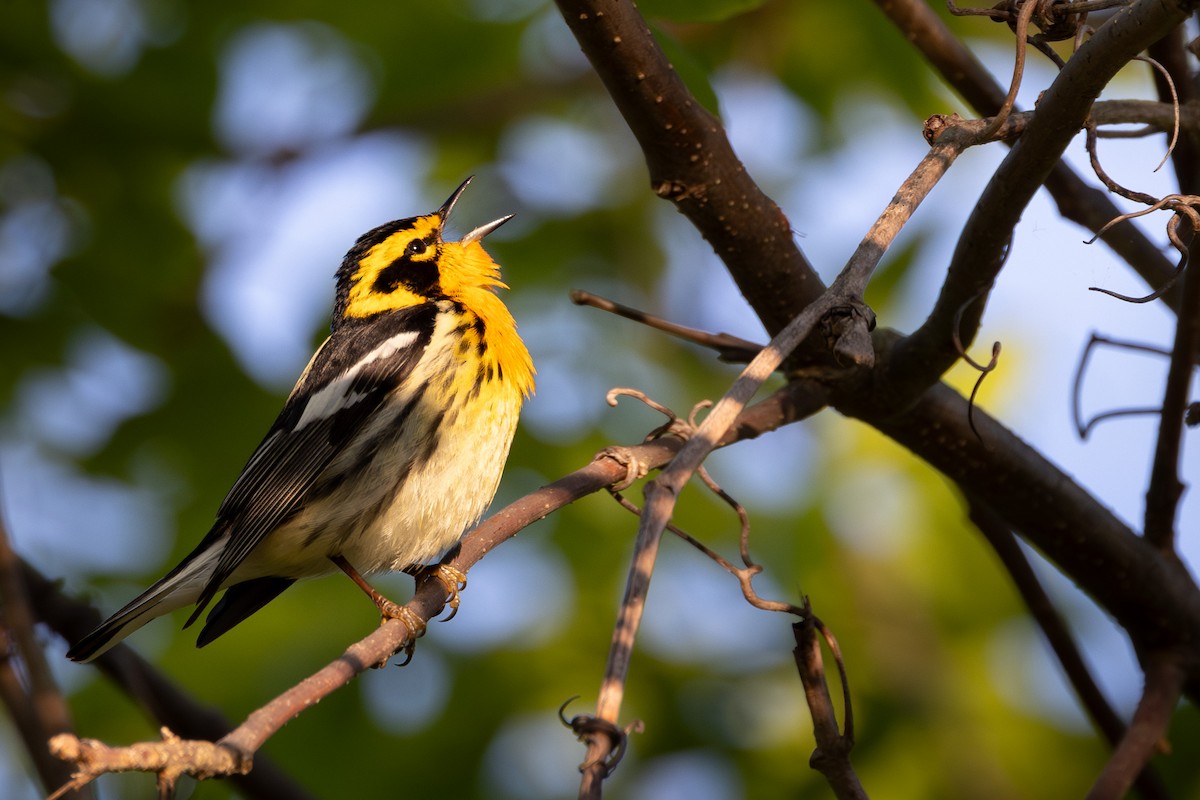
pixel 832 756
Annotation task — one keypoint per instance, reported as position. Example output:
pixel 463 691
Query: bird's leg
pixel 388 609
pixel 452 579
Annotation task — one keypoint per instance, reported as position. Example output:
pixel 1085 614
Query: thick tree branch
pixel 1155 599
pixel 691 161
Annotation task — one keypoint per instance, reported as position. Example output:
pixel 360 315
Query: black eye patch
pixel 419 277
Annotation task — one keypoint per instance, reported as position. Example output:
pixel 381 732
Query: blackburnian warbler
pixel 391 444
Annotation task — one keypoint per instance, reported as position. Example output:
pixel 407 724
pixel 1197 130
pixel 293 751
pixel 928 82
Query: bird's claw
pixel 452 579
pixel 416 626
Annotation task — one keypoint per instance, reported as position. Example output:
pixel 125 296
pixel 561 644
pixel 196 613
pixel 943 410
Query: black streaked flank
pixel 476 386
pixel 284 470
pixel 331 481
pixel 430 443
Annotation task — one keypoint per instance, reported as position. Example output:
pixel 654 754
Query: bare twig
pixel 1055 629
pixel 170 759
pixel 1183 212
pixel 1170 84
pixel 983 369
pixel 1021 28
pixel 1171 53
pixel 1165 677
pixel 1058 20
pixel 1085 428
pixel 1162 496
pixel 832 756
pixel 31 692
pixel 729 347
pixel 1112 185
pixel 745 575
pixel 1183 208
pixel 1154 118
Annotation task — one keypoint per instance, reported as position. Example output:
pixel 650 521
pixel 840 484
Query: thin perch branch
pixel 786 405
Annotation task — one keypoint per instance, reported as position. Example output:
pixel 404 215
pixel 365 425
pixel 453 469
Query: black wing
pixel 344 385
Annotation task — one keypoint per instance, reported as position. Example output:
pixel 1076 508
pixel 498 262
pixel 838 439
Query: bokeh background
pixel 178 183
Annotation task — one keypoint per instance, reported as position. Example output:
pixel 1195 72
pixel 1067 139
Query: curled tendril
pixel 585 726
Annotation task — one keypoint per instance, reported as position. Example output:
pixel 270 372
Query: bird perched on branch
pixel 391 444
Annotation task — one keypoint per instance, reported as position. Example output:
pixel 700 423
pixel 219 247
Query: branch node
pixel 586 726
pixel 635 470
pixel 938 124
pixel 847 328
pixel 169 759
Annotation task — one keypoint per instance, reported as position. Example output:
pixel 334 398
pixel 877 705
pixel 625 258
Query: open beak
pixel 478 233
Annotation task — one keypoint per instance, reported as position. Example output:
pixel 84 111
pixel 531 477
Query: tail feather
pixel 181 587
pixel 240 601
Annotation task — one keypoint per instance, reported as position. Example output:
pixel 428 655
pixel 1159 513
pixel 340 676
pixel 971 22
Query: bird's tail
pixel 181 587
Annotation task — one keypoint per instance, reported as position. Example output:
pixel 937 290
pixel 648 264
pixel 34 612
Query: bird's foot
pixel 452 579
pixel 416 626
pixel 388 610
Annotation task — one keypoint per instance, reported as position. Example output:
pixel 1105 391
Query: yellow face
pixel 410 266
pixel 405 264
pixel 398 272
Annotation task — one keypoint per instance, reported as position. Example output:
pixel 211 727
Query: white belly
pixel 435 505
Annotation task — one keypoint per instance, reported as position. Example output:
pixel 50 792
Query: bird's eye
pixel 415 248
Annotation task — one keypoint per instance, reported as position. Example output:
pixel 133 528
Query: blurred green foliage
pixel 113 126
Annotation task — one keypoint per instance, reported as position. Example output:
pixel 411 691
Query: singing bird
pixel 389 447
